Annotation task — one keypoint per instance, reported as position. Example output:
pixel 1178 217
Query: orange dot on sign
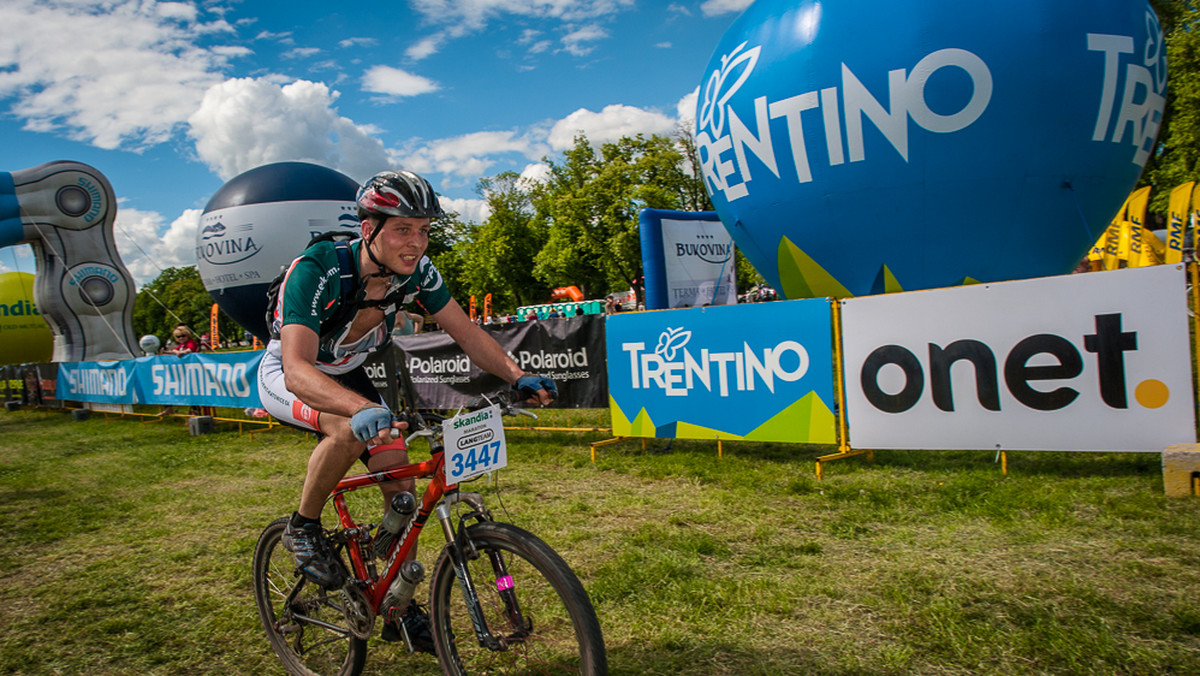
pixel 1152 393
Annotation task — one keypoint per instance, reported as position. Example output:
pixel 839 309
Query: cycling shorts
pixel 287 408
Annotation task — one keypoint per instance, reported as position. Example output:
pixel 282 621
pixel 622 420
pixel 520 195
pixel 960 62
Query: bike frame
pixel 398 552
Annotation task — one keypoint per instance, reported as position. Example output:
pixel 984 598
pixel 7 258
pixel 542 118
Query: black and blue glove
pixel 527 387
pixel 369 421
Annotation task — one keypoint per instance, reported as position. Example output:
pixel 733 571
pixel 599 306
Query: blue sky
pixel 171 99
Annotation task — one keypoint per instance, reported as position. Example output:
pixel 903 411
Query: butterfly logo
pixel 670 341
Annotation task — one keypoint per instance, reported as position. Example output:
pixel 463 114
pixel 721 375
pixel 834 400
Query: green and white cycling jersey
pixel 312 291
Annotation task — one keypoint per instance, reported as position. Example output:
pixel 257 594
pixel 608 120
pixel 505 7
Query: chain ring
pixel 356 607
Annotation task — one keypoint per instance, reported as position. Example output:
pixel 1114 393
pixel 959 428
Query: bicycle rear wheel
pixel 550 628
pixel 309 632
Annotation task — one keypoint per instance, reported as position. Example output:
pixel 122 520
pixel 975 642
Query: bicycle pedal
pixel 390 633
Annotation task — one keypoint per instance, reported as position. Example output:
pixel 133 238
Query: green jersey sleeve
pixel 432 293
pixel 311 288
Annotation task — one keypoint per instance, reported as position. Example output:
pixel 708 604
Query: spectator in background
pixel 185 341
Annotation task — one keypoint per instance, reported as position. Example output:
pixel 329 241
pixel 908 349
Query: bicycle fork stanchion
pixel 470 596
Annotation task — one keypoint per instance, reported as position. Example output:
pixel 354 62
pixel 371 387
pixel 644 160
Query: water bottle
pixel 401 591
pixel 394 521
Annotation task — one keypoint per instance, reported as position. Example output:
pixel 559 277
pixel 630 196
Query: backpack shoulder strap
pixel 348 307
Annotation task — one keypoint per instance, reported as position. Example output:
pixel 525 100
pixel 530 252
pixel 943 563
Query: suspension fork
pixel 504 585
pixel 466 585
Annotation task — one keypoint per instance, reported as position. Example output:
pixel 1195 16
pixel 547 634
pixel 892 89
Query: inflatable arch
pixel 66 210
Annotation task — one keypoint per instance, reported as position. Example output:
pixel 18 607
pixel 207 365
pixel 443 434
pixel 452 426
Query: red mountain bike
pixel 501 601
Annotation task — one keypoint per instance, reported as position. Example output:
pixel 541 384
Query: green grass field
pixel 125 549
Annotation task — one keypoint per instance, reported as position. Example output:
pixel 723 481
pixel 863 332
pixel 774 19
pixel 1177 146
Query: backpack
pixel 347 307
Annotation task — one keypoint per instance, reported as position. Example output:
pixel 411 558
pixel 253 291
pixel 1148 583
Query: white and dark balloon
pixel 259 221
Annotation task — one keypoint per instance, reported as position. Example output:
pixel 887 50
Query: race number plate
pixel 474 444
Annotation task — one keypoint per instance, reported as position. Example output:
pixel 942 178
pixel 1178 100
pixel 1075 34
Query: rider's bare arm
pixel 298 351
pixel 483 350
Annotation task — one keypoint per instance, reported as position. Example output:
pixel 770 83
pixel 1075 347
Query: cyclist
pixel 311 375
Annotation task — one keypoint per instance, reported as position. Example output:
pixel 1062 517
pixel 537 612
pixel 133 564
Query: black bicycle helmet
pixel 397 193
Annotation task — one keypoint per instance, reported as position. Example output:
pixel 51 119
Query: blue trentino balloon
pixel 863 146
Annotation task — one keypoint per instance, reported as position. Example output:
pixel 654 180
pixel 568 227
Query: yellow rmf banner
pixel 1179 210
pixel 1133 231
pixel 1127 238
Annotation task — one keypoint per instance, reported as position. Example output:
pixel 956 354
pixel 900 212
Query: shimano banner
pixel 215 379
pixel 109 382
pixel 570 350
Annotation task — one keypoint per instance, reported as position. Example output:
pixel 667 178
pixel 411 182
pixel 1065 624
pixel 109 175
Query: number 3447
pixel 476 460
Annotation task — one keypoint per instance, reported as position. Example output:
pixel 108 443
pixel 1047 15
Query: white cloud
pixel 424 48
pixel 610 124
pixel 21 256
pixel 300 53
pixel 178 11
pixel 471 155
pixel 472 15
pixel 284 38
pixel 718 7
pixel 145 252
pixel 538 172
pixel 577 41
pixel 113 74
pixel 468 210
pixel 396 82
pixel 685 110
pixel 458 18
pixel 357 42
pixel 244 123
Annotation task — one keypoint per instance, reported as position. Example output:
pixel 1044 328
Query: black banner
pixel 570 350
pixel 381 367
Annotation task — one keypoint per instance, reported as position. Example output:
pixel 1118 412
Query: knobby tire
pixel 305 649
pixel 563 634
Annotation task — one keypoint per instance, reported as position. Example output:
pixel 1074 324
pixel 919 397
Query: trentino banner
pixel 570 350
pixel 758 372
pixel 1087 362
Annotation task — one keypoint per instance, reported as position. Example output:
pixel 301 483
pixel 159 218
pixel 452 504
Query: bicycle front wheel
pixel 305 623
pixel 529 599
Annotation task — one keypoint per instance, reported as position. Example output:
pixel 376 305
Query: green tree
pixel 500 260
pixel 495 256
pixel 1177 157
pixel 177 296
pixel 590 205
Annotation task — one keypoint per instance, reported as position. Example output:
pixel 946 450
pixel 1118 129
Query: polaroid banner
pixel 1088 362
pixel 569 350
pixel 760 372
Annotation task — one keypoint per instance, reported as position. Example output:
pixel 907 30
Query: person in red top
pixel 185 341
